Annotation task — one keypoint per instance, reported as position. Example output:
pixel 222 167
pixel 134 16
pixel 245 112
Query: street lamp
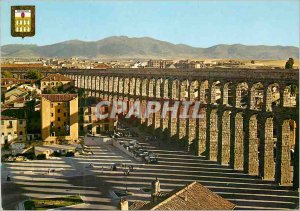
pixel 126 173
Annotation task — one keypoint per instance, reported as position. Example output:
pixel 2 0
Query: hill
pixel 123 47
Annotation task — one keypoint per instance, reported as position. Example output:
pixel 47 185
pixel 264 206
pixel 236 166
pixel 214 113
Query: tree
pixel 252 61
pixel 33 74
pixel 6 74
pixel 289 64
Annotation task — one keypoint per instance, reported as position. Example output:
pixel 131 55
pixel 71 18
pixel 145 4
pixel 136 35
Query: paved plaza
pixel 95 184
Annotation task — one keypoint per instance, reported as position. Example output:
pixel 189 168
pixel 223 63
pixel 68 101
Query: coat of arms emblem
pixel 23 21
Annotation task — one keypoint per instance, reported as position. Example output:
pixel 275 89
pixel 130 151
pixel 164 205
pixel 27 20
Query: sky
pixel 195 23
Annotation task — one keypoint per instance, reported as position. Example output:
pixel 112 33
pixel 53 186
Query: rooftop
pixel 56 77
pixel 59 97
pixel 7 118
pixel 191 197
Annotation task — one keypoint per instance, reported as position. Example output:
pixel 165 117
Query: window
pixel 21 133
pixel 65 123
pixel 44 83
pixel 58 128
pixel 58 119
pixel 21 122
pixel 52 114
pixel 3 134
pixel 58 103
pixel 58 110
pixel 52 124
pixel 9 133
pixel 51 105
pixel 65 114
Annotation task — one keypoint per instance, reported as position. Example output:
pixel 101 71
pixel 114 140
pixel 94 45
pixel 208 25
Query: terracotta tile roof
pixel 5 81
pixel 8 81
pixel 192 197
pixel 56 77
pixel 21 65
pixel 11 103
pixel 7 118
pixel 137 205
pixel 59 97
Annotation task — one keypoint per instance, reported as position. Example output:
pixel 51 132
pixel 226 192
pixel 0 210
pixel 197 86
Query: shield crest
pixel 23 21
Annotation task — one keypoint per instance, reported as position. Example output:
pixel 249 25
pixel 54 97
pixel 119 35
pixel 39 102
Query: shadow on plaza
pixel 175 168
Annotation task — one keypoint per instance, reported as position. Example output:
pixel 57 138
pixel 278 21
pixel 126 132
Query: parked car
pixel 151 158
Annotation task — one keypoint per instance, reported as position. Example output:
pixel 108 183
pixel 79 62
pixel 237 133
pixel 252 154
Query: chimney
pixel 123 204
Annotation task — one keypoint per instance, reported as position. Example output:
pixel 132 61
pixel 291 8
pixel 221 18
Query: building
pixel 91 123
pixel 56 80
pixel 159 63
pixel 13 130
pixel 7 84
pixel 14 94
pixel 193 196
pixel 59 117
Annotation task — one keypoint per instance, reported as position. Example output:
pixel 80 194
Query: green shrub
pixel 30 155
pixel 56 154
pixel 41 157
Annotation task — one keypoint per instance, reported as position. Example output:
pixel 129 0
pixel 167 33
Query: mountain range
pixel 123 47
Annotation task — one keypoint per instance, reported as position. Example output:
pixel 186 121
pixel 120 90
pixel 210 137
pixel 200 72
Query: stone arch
pixel 272 96
pixel 253 157
pixel 257 96
pixel 228 94
pixel 268 151
pixel 284 153
pixel 151 87
pixel 132 86
pixel 175 89
pixel 184 89
pixel 144 87
pixel 213 134
pixel 203 94
pixel 97 83
pixel 106 83
pixel 166 89
pixel 110 84
pixel 241 95
pixel 215 92
pixel 225 148
pixel 239 142
pixel 116 84
pixel 138 86
pixel 101 83
pixel 87 83
pixel 121 85
pixel 202 131
pixel 158 88
pixel 194 90
pixel 289 95
pixel 126 86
